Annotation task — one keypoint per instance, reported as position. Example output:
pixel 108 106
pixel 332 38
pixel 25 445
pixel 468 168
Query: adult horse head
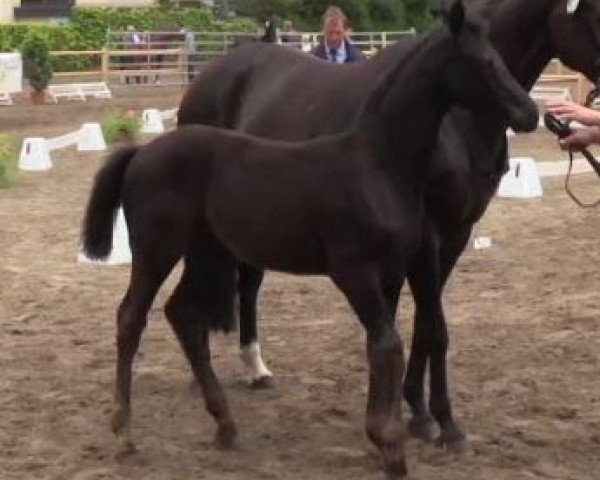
pixel 348 205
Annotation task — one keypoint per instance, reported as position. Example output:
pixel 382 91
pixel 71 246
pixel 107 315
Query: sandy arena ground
pixel 524 360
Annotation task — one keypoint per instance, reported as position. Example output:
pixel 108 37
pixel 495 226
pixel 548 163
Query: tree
pixel 263 9
pixel 36 61
pixel 356 11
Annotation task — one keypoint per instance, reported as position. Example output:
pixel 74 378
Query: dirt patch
pixel 524 359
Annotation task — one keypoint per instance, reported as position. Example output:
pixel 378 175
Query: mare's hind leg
pixel 430 341
pixel 204 299
pixel 147 274
pixel 249 281
pixel 363 288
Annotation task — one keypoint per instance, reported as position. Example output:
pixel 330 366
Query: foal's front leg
pixel 363 288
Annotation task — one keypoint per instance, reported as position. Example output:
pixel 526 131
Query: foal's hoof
pixel 453 440
pixel 422 427
pixel 226 438
pixel 266 382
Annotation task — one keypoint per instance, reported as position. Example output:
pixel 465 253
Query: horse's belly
pixel 265 227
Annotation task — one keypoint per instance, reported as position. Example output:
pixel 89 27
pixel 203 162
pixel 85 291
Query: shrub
pixel 8 160
pixel 36 60
pixel 120 126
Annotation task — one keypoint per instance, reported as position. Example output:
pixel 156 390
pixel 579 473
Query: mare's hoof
pixel 423 428
pixel 453 440
pixel 226 438
pixel 266 382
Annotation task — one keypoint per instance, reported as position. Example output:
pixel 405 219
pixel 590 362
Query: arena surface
pixel 524 319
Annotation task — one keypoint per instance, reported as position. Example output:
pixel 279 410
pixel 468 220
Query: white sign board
pixel 11 72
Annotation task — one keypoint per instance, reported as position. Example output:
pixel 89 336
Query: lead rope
pixel 595 165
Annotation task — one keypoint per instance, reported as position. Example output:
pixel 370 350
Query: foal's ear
pixel 454 16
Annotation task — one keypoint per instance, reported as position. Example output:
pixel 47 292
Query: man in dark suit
pixel 335 46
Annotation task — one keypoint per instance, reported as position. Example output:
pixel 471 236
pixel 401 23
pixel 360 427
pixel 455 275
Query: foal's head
pixel 476 76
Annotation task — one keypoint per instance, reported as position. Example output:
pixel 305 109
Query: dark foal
pixel 349 206
pixel 246 90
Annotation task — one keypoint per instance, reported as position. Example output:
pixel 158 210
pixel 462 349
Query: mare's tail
pixel 103 203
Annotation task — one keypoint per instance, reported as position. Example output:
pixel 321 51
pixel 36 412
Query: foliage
pixel 119 126
pixel 36 60
pixel 8 160
pixel 362 14
pixel 262 9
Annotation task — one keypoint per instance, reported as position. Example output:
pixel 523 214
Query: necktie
pixel 333 53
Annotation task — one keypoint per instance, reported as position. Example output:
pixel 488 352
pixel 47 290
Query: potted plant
pixel 36 64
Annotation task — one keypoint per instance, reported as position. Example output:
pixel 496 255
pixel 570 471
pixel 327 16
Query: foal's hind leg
pixel 204 299
pixel 249 281
pixel 147 274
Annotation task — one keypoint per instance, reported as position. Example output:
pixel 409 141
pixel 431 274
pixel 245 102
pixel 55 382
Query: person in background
pixel 189 46
pixel 133 41
pixel 580 138
pixel 335 46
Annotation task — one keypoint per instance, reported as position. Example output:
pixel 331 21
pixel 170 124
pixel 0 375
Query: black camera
pixel 557 126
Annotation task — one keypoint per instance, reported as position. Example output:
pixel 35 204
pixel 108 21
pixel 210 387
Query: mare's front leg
pixel 249 281
pixel 428 275
pixel 362 285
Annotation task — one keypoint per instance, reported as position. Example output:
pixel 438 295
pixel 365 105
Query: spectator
pixel 133 41
pixel 580 138
pixel 334 45
pixel 189 46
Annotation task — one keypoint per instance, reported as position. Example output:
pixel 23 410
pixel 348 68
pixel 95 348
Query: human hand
pixel 580 139
pixel 573 111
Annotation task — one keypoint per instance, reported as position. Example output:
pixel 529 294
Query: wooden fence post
pixel 104 64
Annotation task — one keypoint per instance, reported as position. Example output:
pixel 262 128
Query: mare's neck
pixel 401 117
pixel 518 31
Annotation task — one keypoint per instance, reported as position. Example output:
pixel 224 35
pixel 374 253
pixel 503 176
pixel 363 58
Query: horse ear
pixel 572 6
pixel 454 17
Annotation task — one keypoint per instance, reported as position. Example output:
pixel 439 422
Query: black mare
pixel 348 205
pixel 281 93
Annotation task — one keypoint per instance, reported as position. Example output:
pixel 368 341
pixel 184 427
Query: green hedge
pixel 8 160
pixel 88 28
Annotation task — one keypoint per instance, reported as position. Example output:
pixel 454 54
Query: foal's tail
pixel 103 203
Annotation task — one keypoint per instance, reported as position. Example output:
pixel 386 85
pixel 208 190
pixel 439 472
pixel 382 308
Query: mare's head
pixel 476 76
pixel 574 29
